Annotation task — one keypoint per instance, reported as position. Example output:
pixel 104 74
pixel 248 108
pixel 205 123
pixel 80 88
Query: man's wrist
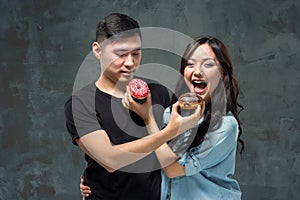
pixel 150 119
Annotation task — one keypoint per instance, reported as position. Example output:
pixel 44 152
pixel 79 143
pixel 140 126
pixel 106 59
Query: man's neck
pixel 110 87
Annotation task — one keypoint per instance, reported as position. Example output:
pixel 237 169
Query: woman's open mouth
pixel 199 86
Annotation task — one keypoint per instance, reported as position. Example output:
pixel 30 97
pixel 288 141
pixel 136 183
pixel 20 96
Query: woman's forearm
pixel 164 154
pixel 98 146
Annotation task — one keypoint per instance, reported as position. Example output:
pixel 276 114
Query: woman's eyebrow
pixel 206 59
pixel 203 60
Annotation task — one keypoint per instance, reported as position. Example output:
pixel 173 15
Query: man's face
pixel 120 59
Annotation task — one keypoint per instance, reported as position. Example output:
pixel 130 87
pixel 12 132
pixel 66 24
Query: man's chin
pixel 126 79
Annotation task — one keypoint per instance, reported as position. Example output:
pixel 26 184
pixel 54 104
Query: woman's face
pixel 203 72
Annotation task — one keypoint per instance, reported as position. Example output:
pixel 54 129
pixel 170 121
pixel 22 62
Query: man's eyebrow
pixel 127 50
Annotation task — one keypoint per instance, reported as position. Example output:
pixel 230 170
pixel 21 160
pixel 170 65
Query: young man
pixel 121 163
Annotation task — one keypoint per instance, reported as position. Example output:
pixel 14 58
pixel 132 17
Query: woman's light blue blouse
pixel 209 167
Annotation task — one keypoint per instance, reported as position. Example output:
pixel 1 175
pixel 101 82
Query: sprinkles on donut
pixel 139 90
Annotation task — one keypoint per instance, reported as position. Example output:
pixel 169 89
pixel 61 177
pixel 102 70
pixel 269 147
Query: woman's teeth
pixel 200 84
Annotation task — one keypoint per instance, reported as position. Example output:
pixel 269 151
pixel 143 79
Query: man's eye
pixel 121 55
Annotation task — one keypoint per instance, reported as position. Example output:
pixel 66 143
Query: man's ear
pixel 96 50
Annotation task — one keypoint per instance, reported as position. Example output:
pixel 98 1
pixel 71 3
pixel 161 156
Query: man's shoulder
pixel 154 85
pixel 157 87
pixel 84 91
pixel 83 95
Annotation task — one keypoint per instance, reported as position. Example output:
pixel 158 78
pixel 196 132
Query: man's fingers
pixel 126 99
pixel 124 103
pixel 129 97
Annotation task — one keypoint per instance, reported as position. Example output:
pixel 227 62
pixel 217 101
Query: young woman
pixel 205 169
pixel 206 153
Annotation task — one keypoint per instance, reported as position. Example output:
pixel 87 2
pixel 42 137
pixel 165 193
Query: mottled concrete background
pixel 43 43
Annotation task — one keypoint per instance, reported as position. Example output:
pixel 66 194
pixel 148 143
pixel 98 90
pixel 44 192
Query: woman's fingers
pixel 85 190
pixel 198 113
pixel 186 122
pixel 175 107
pixel 202 108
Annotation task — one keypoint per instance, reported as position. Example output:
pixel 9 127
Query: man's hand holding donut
pixel 144 110
pixel 177 123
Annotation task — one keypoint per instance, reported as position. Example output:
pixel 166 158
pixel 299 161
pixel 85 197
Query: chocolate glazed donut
pixel 189 101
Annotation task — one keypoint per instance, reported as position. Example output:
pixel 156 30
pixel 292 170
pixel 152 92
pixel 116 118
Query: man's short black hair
pixel 118 25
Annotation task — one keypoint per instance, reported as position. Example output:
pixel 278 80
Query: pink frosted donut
pixel 138 90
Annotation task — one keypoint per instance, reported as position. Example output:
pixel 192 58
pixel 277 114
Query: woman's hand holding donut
pixel 181 124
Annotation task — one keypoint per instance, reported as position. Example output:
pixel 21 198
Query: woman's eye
pixel 209 64
pixel 190 64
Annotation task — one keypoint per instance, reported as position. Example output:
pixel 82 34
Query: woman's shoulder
pixel 229 119
pixel 229 123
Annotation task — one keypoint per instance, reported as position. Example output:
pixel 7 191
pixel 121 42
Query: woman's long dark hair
pixel 223 99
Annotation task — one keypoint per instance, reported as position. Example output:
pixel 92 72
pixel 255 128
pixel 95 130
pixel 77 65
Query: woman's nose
pixel 198 71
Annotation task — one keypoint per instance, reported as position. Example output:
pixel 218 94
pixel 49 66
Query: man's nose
pixel 129 60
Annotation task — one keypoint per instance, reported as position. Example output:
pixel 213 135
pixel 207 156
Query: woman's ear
pixel 96 50
pixel 223 75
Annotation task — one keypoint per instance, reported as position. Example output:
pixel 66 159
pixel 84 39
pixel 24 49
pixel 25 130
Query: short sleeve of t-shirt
pixel 81 117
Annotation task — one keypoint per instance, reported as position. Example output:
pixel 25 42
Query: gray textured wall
pixel 43 44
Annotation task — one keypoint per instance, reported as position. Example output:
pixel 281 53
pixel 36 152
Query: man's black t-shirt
pixel 89 110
